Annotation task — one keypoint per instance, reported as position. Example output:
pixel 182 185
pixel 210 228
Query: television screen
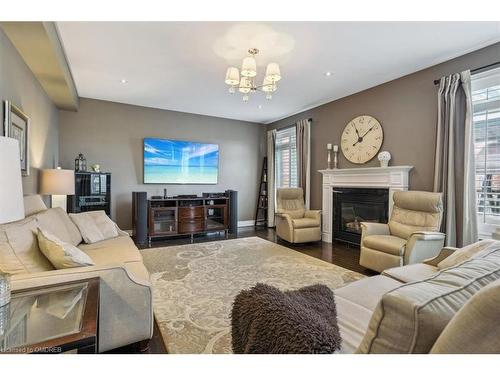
pixel 169 161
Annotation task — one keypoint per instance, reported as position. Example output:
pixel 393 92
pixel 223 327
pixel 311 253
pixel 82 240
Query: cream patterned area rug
pixel 194 286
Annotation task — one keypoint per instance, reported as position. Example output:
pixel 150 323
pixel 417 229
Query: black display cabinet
pixel 92 193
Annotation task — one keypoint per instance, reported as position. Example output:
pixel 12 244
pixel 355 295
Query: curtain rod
pixel 291 126
pixel 477 70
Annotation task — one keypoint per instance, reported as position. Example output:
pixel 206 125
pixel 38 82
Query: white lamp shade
pixel 11 188
pixel 249 67
pixel 232 76
pixel 245 85
pixel 57 182
pixel 273 72
pixel 268 85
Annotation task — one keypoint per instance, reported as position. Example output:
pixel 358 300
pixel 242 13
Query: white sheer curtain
pixel 454 162
pixel 271 177
pixel 304 159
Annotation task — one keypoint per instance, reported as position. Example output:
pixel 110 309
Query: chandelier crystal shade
pixel 245 80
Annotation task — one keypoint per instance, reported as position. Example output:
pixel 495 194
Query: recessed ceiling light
pixel 123 80
pixel 328 74
pixel 260 106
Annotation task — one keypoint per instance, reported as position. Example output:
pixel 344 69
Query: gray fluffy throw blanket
pixel 266 320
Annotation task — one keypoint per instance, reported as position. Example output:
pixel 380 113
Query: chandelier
pixel 247 83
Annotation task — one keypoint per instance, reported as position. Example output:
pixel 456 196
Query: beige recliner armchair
pixel 411 235
pixel 293 222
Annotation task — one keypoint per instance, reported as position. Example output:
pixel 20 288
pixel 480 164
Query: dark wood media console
pixel 187 216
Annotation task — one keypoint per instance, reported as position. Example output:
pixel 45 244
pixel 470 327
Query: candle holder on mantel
pixel 335 157
pixel 329 156
pixel 335 150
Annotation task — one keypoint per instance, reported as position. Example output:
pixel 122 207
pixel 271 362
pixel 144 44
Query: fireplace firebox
pixel 352 206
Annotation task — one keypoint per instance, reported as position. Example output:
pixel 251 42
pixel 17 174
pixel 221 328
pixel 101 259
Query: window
pixel 486 103
pixel 286 157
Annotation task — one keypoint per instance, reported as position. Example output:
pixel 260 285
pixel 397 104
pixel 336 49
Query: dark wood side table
pixel 52 319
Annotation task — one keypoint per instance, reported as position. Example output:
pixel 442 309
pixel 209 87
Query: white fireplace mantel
pixel 392 178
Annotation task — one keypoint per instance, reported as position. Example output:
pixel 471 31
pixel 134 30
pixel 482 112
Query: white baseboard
pixel 246 223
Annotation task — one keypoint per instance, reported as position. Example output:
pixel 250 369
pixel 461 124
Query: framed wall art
pixel 16 125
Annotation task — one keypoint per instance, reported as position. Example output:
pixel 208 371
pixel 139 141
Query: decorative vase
pixel 4 289
pixel 384 157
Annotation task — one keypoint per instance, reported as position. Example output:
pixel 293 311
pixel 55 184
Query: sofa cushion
pixel 367 292
pixel 411 317
pixel 56 221
pixel 19 251
pixel 113 251
pixel 353 320
pixel 355 304
pixel 465 253
pixel 61 254
pixel 387 244
pixel 94 226
pixel 411 272
pixel 305 223
pixel 474 329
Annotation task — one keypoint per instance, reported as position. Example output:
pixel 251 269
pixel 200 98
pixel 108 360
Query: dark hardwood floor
pixel 337 253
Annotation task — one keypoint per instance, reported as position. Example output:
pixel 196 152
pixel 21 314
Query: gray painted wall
pixel 407 110
pixel 19 85
pixel 111 134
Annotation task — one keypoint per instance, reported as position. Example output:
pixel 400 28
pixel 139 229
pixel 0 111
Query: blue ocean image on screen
pixel 180 162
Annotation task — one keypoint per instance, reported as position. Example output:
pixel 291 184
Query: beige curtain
pixel 271 177
pixel 304 159
pixel 454 162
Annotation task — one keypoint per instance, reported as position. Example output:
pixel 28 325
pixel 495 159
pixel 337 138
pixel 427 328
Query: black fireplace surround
pixel 351 206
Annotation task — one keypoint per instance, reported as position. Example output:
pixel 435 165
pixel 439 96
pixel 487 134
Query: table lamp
pixel 59 183
pixel 11 188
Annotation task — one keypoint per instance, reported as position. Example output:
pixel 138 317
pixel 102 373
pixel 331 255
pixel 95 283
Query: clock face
pixel 361 139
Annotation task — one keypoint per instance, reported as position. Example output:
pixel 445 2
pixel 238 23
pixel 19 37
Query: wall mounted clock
pixel 361 139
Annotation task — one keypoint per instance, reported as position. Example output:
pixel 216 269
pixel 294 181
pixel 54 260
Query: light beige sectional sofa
pixel 125 309
pixel 448 304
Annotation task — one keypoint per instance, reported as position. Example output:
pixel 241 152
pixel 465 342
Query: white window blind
pixel 286 157
pixel 486 103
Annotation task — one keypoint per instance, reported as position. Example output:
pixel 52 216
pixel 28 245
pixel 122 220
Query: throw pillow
pixel 95 226
pixel 61 254
pixel 56 221
pixel 19 251
pixel 266 320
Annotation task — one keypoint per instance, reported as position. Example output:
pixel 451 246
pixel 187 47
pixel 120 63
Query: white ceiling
pixel 181 65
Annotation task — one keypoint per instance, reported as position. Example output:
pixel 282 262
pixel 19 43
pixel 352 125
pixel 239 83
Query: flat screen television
pixel 168 161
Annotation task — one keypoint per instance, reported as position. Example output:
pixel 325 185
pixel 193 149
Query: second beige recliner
pixel 293 222
pixel 411 235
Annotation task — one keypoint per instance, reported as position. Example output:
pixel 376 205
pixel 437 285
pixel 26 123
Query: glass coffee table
pixel 53 319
